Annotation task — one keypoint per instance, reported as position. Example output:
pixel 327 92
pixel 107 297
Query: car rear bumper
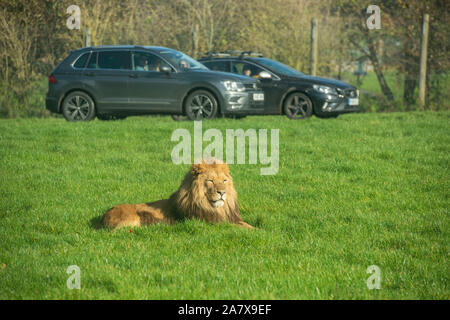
pixel 51 104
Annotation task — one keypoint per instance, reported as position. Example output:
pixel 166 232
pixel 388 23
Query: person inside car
pixel 142 64
pixel 156 65
pixel 247 72
pixel 184 64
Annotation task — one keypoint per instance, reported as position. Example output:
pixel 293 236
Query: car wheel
pixel 178 117
pixel 298 106
pixel 78 106
pixel 200 105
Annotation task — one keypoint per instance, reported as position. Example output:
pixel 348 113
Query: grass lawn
pixel 359 190
pixel 370 82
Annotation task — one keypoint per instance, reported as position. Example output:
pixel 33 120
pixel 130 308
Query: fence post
pixel 423 61
pixel 314 48
pixel 195 41
pixel 87 39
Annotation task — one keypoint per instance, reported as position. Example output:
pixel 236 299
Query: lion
pixel 206 193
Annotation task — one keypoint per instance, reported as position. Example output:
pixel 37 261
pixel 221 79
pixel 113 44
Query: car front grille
pixel 251 86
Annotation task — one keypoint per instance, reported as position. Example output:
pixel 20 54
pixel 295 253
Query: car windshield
pixel 278 67
pixel 181 60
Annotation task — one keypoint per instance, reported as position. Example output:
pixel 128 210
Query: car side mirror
pixel 264 75
pixel 166 69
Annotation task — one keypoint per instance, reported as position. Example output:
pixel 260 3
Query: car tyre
pixel 298 106
pixel 78 106
pixel 200 105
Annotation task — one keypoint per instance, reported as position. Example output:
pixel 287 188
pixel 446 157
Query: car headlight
pixel 324 89
pixel 233 85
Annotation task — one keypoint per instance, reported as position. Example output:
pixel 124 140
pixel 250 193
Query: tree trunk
pixel 410 73
pixel 379 72
pixel 410 84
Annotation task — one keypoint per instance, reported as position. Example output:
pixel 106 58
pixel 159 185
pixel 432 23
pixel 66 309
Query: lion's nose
pixel 221 193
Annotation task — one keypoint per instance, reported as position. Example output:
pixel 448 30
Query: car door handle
pixel 132 75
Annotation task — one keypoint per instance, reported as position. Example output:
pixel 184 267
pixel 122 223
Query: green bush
pixel 21 100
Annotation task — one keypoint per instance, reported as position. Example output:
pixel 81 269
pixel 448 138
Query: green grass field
pixel 370 82
pixel 359 190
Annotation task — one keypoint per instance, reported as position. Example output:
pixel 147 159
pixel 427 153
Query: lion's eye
pixel 210 181
pixel 225 181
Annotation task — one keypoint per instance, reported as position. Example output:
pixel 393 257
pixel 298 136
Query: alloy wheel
pixel 298 106
pixel 77 107
pixel 201 106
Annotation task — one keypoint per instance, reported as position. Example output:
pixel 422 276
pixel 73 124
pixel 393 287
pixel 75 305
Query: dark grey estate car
pixel 117 81
pixel 287 90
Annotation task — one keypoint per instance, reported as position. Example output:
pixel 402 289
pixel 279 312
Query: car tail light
pixel 52 79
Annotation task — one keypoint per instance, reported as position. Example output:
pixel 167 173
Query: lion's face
pixel 207 192
pixel 213 182
pixel 215 186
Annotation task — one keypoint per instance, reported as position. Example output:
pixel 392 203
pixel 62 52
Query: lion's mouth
pixel 218 203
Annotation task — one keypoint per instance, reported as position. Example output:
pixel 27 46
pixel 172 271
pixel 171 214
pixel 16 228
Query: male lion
pixel 206 193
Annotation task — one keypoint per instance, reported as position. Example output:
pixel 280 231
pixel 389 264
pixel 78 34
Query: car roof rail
pixel 212 54
pixel 241 54
pixel 236 53
pixel 250 53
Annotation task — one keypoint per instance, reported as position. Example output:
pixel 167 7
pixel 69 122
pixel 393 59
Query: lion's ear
pixel 196 169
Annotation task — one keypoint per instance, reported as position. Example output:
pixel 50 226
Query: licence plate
pixel 258 96
pixel 353 101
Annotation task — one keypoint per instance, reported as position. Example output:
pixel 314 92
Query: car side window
pixel 223 66
pixel 246 69
pixel 92 64
pixel 81 61
pixel 143 61
pixel 118 60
